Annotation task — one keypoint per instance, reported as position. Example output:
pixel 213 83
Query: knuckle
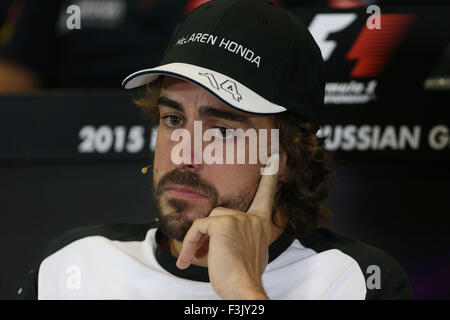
pixel 196 224
pixel 255 218
pixel 242 219
pixel 217 211
pixel 229 220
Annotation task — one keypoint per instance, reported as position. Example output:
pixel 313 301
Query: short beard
pixel 175 223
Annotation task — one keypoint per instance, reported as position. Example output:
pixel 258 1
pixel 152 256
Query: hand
pixel 236 243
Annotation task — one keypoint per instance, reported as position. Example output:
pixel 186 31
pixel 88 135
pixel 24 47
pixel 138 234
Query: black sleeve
pixel 28 36
pixel 28 291
pixel 394 283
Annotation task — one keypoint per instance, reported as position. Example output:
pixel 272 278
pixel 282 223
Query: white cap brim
pixel 225 88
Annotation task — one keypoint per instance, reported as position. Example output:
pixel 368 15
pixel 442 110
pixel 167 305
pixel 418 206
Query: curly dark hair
pixel 302 193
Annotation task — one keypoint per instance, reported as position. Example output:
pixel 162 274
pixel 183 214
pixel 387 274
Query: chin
pixel 174 225
pixel 176 218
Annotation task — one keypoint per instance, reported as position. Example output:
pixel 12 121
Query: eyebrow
pixel 163 101
pixel 207 111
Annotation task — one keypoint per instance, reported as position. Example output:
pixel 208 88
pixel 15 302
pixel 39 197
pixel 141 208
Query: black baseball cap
pixel 252 54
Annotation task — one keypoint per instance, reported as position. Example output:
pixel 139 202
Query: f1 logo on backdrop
pixel 373 47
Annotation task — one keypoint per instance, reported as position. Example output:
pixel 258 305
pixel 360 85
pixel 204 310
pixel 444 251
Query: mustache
pixel 187 179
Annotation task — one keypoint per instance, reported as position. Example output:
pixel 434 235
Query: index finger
pixel 263 200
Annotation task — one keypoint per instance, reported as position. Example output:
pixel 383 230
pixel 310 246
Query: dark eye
pixel 172 121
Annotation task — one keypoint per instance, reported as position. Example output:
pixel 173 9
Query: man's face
pixel 188 191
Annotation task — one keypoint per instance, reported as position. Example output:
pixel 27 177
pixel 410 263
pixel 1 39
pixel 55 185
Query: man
pixel 228 228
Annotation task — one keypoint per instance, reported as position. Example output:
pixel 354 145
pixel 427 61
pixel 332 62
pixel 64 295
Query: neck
pixel 174 247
